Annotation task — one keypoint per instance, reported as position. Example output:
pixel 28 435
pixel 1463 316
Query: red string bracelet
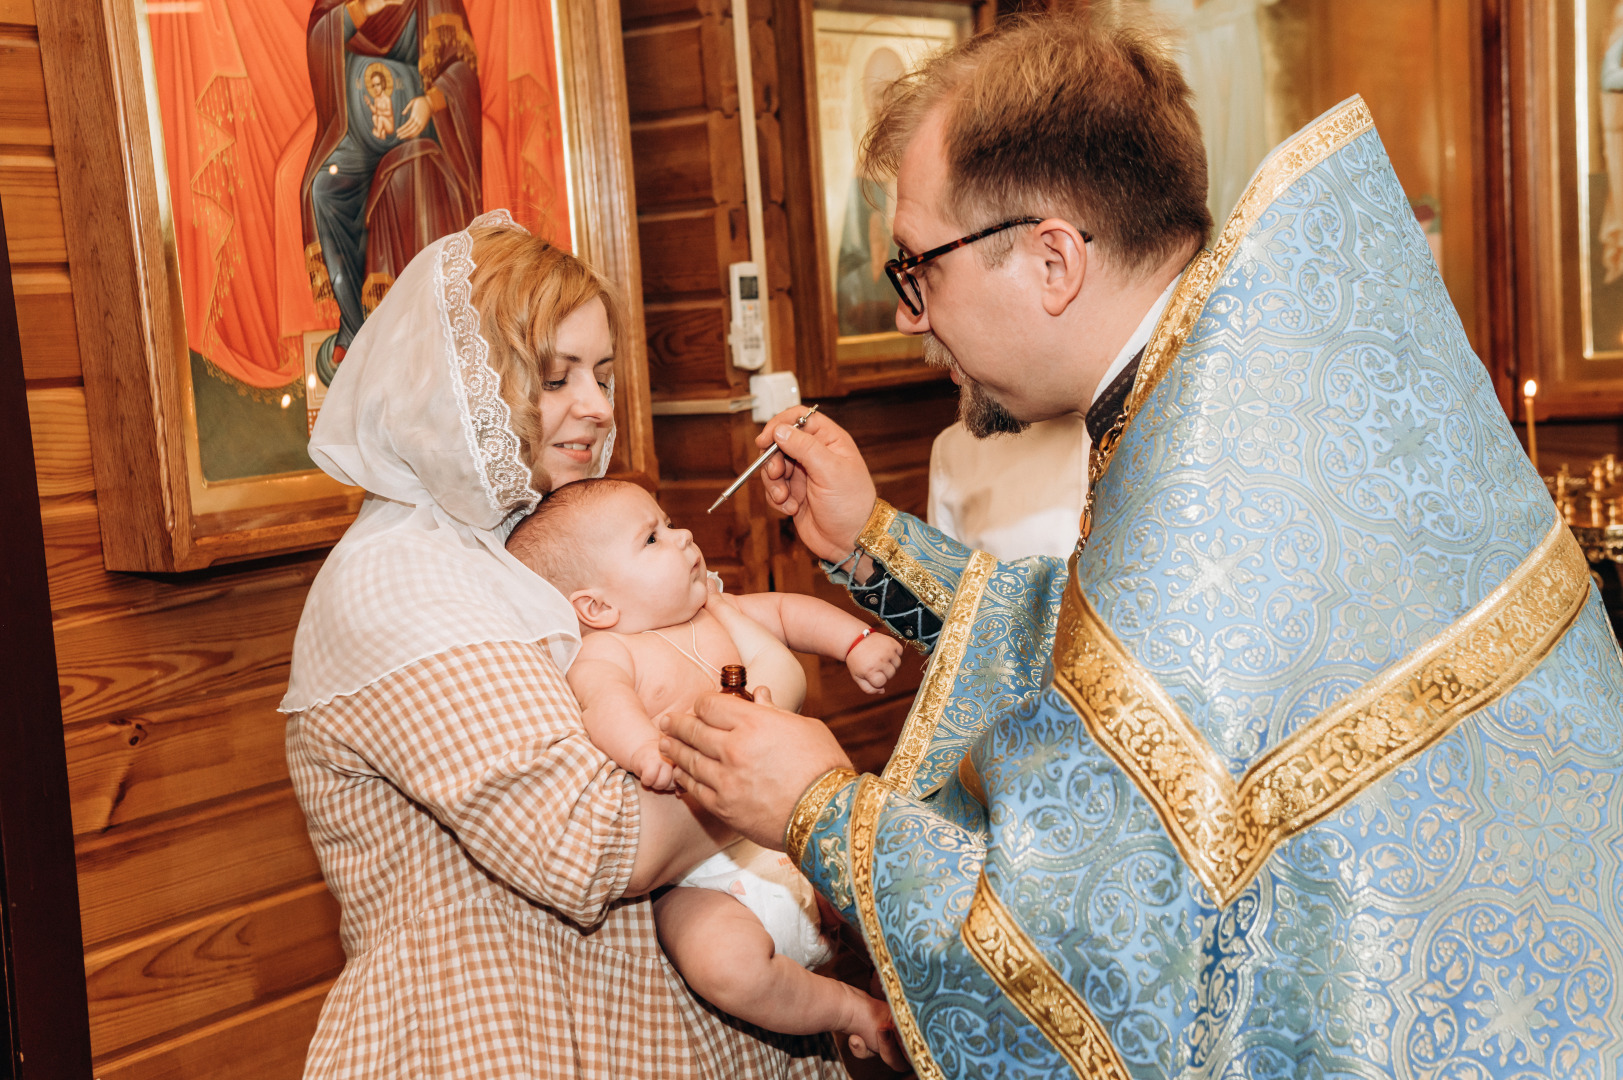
pixel 860 639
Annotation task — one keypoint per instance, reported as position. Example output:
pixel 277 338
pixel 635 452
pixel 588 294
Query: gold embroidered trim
pixel 877 541
pixel 1226 831
pixel 1027 978
pixel 970 777
pixel 315 264
pixel 1302 153
pixel 810 807
pixel 865 808
pixel 931 701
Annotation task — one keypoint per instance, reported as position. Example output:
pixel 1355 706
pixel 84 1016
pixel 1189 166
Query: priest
pixel 1308 763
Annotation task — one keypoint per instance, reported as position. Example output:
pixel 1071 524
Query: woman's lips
pixel 578 452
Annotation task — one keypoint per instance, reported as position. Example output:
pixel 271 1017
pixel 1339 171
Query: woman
pixel 488 860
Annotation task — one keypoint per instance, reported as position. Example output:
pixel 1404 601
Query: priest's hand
pixel 748 764
pixel 820 480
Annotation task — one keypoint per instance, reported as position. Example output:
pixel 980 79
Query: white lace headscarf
pixel 415 416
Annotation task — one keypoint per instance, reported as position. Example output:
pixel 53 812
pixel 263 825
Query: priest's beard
pixel 981 416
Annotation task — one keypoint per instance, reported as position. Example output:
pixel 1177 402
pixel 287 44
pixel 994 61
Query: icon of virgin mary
pixel 374 193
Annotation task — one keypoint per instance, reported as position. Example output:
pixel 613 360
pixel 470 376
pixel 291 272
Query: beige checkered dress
pixel 478 844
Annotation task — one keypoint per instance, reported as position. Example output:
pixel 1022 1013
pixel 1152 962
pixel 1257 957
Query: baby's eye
pixel 653 538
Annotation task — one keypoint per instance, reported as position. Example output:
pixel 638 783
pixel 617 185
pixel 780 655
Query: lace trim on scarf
pixel 486 420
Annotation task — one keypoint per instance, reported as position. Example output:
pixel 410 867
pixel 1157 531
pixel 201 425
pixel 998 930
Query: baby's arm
pixel 604 680
pixel 807 624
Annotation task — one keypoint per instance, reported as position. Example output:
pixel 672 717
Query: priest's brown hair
pixel 1086 118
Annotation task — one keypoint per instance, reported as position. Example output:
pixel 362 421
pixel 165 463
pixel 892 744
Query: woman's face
pixel 575 409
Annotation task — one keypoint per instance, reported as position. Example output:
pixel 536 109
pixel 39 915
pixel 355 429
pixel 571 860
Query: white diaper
pixel 768 884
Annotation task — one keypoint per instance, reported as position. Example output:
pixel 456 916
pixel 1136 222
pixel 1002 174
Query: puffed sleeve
pixel 488 739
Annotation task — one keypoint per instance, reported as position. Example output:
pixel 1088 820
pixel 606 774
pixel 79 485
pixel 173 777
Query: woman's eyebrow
pixel 600 363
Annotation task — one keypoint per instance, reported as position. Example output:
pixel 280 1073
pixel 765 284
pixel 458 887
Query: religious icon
pixel 313 148
pixel 858 54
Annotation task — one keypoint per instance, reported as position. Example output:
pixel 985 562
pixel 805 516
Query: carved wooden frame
pixel 127 299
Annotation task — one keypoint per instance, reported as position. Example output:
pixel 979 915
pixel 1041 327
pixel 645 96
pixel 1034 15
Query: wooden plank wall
pixel 692 223
pixel 210 940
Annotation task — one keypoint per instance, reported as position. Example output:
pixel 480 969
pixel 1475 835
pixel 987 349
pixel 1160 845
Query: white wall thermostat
pixel 748 332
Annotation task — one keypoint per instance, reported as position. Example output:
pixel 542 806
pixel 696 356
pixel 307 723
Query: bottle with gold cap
pixel 734 681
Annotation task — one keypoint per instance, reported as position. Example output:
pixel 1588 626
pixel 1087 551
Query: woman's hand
pixel 749 763
pixel 820 480
pixel 874 662
pixel 417 114
pixel 372 7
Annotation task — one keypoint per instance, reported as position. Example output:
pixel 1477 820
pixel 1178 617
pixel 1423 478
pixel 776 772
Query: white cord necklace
pixel 703 664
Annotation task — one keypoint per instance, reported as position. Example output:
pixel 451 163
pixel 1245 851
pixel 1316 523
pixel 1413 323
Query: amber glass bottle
pixel 734 681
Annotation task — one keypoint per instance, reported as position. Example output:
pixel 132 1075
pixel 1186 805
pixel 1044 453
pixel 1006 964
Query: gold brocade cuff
pixel 436 98
pixel 877 529
pixel 810 807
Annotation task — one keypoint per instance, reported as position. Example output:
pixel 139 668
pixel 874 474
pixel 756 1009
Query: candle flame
pixel 1529 388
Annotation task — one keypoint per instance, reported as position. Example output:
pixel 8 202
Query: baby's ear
pixel 593 610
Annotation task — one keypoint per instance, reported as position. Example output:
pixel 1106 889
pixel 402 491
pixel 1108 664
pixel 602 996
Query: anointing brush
pixel 766 456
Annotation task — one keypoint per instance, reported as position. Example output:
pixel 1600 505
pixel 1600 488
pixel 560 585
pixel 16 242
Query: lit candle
pixel 1529 391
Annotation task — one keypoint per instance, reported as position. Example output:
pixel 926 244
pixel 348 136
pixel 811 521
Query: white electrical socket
pixel 748 332
pixel 774 392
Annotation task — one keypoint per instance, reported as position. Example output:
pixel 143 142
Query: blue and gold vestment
pixel 1319 776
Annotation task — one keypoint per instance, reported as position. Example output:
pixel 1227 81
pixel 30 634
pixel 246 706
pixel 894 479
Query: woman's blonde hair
pixel 523 288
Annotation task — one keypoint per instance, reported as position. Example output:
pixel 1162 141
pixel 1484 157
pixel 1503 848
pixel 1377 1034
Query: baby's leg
pixel 728 958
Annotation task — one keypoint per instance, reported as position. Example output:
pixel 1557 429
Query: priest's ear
pixel 1064 252
pixel 593 611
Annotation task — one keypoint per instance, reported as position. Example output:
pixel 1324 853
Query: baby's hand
pixel 654 771
pixel 875 661
pixel 715 599
pixel 872 1031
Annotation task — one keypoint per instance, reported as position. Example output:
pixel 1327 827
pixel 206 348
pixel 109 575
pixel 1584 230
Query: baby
pixel 749 927
pixel 380 99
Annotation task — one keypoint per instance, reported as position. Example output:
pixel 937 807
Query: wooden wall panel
pixel 159 761
pixel 110 667
pixel 266 1041
pixel 23 118
pixel 191 973
pixel 684 339
pixel 136 879
pixel 45 323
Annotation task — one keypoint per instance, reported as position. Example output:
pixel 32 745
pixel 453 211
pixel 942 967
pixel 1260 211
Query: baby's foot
pixel 872 1030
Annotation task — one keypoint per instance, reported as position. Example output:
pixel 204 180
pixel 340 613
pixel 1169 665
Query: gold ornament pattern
pixel 877 541
pixel 810 808
pixel 870 800
pixel 1288 164
pixel 942 676
pixel 1026 977
pixel 1226 831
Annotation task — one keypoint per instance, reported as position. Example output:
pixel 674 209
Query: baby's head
pixel 376 82
pixel 609 548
